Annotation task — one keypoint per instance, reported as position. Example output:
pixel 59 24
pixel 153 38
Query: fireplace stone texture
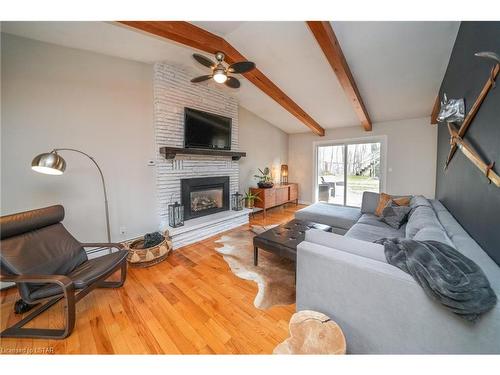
pixel 172 91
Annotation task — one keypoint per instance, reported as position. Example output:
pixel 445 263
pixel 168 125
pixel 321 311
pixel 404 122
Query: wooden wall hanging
pixel 472 155
pixel 456 136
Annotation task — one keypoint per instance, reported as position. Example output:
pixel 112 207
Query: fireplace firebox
pixel 204 196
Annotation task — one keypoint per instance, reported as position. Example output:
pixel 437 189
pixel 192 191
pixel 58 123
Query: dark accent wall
pixel 462 188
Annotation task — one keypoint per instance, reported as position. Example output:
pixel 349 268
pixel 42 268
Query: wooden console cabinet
pixel 275 196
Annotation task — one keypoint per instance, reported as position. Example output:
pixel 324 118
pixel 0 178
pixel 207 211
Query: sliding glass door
pixel 345 170
pixel 331 174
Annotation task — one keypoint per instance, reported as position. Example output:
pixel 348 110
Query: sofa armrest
pixel 382 309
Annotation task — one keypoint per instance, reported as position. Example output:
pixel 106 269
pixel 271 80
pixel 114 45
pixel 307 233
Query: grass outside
pixel 362 183
pixel 356 185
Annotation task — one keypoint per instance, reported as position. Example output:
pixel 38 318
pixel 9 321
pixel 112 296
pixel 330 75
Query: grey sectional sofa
pixel 380 308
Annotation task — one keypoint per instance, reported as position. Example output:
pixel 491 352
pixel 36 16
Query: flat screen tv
pixel 206 130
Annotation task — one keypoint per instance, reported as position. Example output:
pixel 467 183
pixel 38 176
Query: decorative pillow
pixel 402 201
pixel 386 198
pixel 382 202
pixel 395 215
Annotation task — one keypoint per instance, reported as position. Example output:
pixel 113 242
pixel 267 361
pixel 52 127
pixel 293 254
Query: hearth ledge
pixel 200 228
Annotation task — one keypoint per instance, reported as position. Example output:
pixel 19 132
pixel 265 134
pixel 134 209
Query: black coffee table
pixel 283 239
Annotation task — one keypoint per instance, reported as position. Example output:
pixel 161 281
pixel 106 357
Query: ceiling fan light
pixel 220 76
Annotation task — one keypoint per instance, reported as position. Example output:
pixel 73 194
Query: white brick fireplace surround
pixel 172 92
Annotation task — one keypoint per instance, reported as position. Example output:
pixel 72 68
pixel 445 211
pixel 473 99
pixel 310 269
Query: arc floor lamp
pixel 52 163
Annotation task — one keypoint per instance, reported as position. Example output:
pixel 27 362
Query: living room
pixel 250 187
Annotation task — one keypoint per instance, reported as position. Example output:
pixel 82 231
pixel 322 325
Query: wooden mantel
pixel 171 152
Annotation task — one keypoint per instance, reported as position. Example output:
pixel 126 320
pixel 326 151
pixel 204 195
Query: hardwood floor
pixel 190 303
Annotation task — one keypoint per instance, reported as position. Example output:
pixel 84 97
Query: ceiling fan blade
pixel 201 78
pixel 204 60
pixel 232 82
pixel 241 67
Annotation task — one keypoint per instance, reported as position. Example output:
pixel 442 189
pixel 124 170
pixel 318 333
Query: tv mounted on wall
pixel 206 130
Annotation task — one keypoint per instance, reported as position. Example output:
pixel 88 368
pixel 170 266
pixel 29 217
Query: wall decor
pixel 473 156
pixel 474 204
pixel 451 110
pixel 456 136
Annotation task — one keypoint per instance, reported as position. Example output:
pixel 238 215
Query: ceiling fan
pixel 219 72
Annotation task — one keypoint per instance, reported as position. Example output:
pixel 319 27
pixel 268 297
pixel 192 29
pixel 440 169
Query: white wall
pixel 411 156
pixel 60 97
pixel 265 145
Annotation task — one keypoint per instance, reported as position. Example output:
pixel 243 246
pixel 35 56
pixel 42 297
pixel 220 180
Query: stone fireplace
pixel 207 207
pixel 204 196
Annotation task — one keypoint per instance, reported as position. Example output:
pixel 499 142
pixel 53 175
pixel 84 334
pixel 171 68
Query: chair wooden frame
pixel 69 296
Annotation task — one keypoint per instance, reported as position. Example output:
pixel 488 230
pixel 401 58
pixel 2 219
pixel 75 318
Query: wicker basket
pixel 140 257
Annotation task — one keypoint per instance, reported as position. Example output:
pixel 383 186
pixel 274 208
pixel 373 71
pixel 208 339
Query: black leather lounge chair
pixel 48 264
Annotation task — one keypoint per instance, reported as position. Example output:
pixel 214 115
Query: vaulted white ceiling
pixel 398 66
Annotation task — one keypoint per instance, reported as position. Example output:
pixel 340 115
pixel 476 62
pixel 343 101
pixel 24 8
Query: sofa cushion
pixel 371 233
pixel 419 200
pixel 351 245
pixel 369 202
pixel 421 216
pixel 382 203
pixel 329 214
pixel 433 234
pixel 371 219
pixel 468 247
pixel 395 215
pixel 385 199
pixel 339 230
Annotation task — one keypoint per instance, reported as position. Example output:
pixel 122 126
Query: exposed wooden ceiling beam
pixel 195 37
pixel 435 110
pixel 323 32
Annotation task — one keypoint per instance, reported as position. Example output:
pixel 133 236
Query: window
pixel 345 170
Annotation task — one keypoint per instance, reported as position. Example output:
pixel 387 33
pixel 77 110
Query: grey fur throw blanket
pixel 444 273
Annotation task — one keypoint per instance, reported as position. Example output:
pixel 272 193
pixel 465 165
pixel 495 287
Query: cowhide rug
pixel 275 276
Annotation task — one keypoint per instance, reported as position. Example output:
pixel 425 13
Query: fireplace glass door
pixel 204 196
pixel 206 199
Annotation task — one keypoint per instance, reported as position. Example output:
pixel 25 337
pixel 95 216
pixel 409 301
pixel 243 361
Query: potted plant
pixel 265 179
pixel 250 199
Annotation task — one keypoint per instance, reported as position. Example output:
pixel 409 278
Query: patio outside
pixel 363 172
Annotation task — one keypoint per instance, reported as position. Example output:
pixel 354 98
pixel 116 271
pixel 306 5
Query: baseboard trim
pixel 305 202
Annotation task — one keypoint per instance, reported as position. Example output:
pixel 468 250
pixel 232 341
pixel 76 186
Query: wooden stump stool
pixel 312 332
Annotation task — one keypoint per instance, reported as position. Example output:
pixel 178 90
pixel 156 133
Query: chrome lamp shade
pixel 49 163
